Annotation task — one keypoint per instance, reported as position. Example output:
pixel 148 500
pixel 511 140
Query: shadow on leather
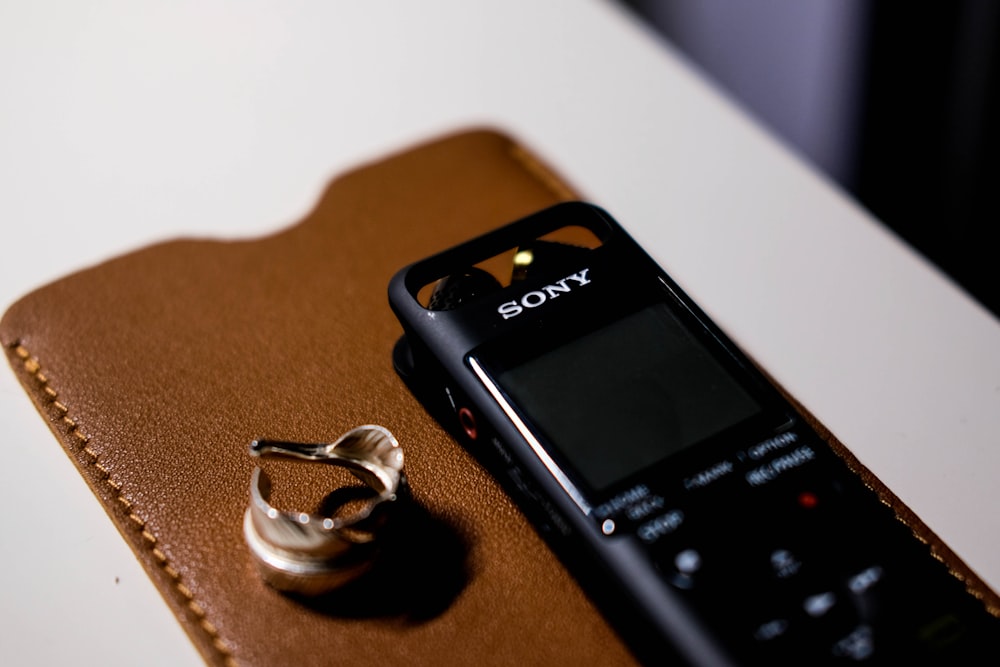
pixel 420 569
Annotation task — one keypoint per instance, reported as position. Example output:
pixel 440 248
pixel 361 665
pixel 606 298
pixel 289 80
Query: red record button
pixel 808 500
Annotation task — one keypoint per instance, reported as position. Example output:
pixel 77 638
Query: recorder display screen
pixel 628 395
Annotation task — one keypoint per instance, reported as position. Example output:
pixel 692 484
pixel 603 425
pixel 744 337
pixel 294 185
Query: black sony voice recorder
pixel 670 475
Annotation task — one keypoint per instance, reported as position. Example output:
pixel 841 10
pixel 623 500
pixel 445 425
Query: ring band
pixel 310 554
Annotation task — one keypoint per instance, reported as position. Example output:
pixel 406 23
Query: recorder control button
pixel 771 630
pixel 680 571
pixel 784 563
pixel 865 580
pixel 857 646
pixel 468 422
pixel 688 561
pixel 818 605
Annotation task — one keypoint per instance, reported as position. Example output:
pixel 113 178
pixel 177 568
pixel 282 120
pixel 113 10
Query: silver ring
pixel 311 554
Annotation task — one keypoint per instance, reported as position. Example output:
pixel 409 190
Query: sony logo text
pixel 536 298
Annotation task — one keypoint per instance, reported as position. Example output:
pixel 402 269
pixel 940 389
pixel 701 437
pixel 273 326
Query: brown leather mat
pixel 156 369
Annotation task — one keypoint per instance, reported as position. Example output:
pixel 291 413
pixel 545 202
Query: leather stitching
pixel 79 440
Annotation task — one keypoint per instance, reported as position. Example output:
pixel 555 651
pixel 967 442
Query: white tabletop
pixel 124 123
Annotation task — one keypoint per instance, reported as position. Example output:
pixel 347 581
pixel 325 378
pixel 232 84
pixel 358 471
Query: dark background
pixel 897 102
